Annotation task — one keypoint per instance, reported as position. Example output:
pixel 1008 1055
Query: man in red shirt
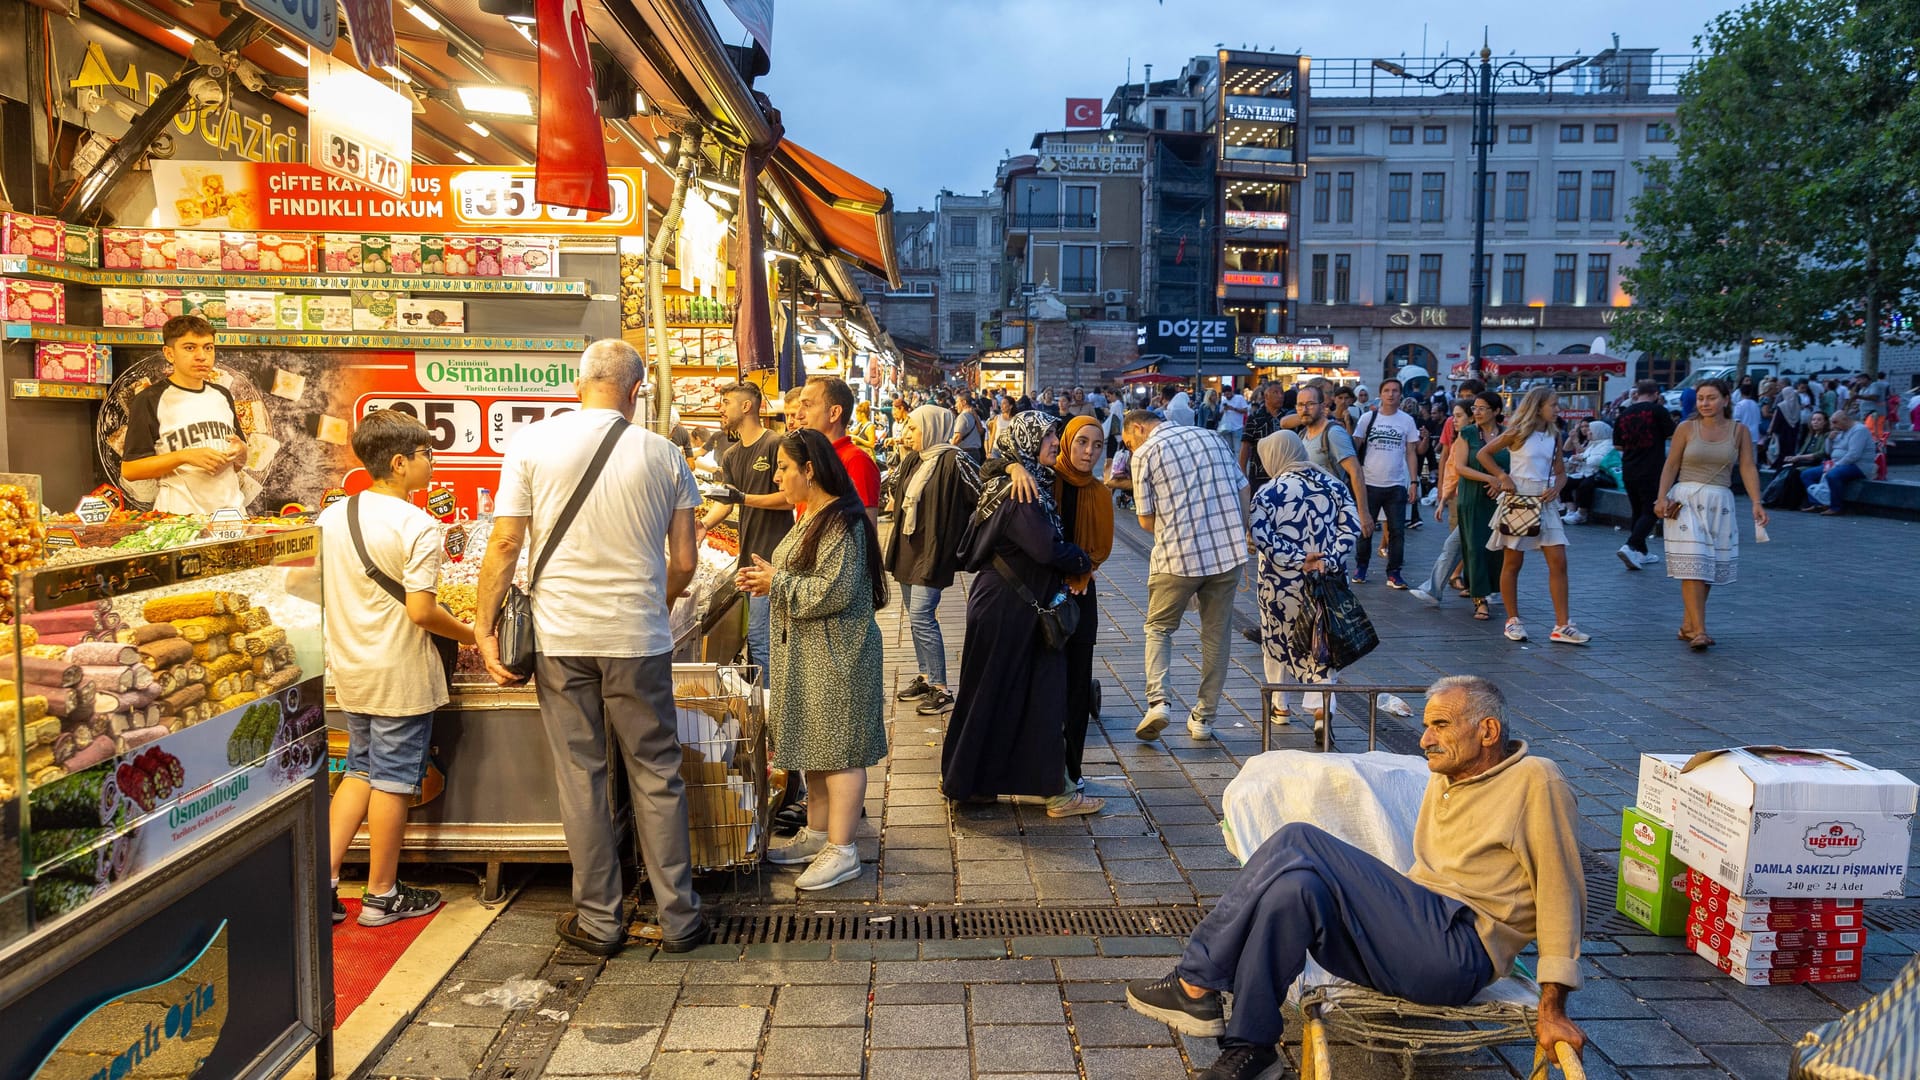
pixel 826 404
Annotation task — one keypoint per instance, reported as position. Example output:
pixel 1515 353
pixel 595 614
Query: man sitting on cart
pixel 1495 866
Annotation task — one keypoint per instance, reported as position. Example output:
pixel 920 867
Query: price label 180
pixel 453 426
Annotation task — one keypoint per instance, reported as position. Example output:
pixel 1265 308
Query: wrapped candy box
pixel 251 310
pixel 197 250
pixel 120 249
pixel 82 244
pixel 459 255
pixel 64 361
pixel 34 301
pixel 486 256
pixel 529 256
pixel 286 253
pixel 406 255
pixel 433 255
pixel 340 253
pixel 240 251
pixel 30 234
pixel 210 304
pixel 147 308
pixel 376 254
pixel 326 313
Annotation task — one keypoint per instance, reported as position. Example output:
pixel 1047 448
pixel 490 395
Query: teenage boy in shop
pixel 766 516
pixel 184 433
pixel 386 672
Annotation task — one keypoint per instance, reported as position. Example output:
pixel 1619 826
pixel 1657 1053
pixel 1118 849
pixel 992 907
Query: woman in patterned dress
pixel 1304 521
pixel 1702 534
pixel 825 581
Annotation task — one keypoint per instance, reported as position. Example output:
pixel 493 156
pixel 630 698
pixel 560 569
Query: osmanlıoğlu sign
pixel 164 1029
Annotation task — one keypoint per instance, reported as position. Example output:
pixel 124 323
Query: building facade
pixel 966 257
pixel 908 313
pixel 1387 216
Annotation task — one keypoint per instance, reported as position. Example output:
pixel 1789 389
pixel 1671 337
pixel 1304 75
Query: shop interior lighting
pixel 183 35
pixel 463 156
pixel 395 71
pixel 512 102
pixel 721 186
pixel 525 32
pixel 424 16
pixel 518 12
pixel 479 129
pixel 292 54
pixel 294 95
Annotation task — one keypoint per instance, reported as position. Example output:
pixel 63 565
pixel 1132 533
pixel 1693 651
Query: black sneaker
pixel 937 702
pixel 404 902
pixel 919 687
pixel 1166 1001
pixel 1415 523
pixel 1243 1061
pixel 339 909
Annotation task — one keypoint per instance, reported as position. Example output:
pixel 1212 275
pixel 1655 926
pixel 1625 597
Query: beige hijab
pixel 1283 452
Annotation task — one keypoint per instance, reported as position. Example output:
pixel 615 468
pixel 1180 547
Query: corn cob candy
pixel 237 700
pixel 237 643
pixel 29 636
pixel 222 666
pixel 247 681
pixel 277 681
pixel 25 710
pixel 234 603
pixel 42 729
pixel 142 676
pixel 210 650
pixel 282 654
pixel 194 671
pixel 45 652
pixel 185 606
pixel 176 702
pixel 206 626
pixel 255 618
pixel 266 639
pixel 166 652
pixel 141 635
pixel 264 666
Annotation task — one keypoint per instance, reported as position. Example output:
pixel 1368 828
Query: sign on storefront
pixel 357 128
pixel 1176 337
pixel 316 22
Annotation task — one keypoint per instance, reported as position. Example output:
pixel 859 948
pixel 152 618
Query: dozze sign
pixel 1175 337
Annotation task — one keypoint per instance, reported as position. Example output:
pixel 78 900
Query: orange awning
pixel 852 217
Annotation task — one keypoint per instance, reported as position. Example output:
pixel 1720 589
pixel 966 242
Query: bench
pixel 1878 498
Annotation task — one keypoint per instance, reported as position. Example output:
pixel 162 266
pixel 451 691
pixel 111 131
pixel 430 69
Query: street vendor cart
pixel 1579 379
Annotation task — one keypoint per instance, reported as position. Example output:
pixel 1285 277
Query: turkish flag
pixel 1083 112
pixel 571 169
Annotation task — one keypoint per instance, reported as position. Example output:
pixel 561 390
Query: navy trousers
pixel 1306 892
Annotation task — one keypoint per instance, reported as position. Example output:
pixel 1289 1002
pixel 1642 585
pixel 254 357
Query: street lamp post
pixel 1480 79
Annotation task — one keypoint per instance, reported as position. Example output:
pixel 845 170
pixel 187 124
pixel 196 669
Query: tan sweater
pixel 1503 844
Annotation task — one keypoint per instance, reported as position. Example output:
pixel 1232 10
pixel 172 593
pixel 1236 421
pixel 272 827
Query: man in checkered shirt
pixel 1191 495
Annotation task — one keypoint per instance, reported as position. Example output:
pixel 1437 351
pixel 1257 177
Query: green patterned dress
pixel 826 708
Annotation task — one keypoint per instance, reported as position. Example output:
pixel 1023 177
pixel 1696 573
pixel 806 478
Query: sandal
pixel 1700 643
pixel 1480 610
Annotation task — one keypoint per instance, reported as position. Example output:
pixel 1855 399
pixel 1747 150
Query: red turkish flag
pixel 571 169
pixel 1083 112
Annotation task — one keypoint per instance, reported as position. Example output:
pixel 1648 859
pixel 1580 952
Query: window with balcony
pixel 960 327
pixel 963 231
pixel 1519 133
pixel 1343 198
pixel 1433 196
pixel 1400 196
pixel 962 278
pixel 1566 197
pixel 1035 204
pixel 1319 279
pixel 1342 279
pixel 1082 209
pixel 1433 134
pixel 1513 279
pixel 1599 279
pixel 1322 134
pixel 1396 279
pixel 1600 199
pixel 1659 132
pixel 1606 133
pixel 1345 134
pixel 1079 268
pixel 1517 190
pixel 1322 198
pixel 1570 133
pixel 1400 136
pixel 1429 279
pixel 1564 267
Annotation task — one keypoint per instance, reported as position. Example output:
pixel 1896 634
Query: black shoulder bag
pixel 515 625
pixel 448 648
pixel 1057 623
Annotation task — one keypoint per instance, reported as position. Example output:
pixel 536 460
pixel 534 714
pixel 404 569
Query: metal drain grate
pixel 954 924
pixel 1897 916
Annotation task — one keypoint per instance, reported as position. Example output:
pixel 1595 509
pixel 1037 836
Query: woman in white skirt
pixel 1537 471
pixel 1702 532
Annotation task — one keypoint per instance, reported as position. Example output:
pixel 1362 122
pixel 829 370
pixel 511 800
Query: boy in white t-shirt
pixel 387 675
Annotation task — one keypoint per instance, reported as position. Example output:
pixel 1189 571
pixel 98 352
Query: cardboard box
pixel 248 309
pixel 1780 976
pixel 333 313
pixel 195 250
pixel 406 254
pixel 1652 887
pixel 30 234
pixel 486 256
pixel 286 253
pixel 1769 821
pixel 288 311
pixel 1659 792
pixel 1723 936
pixel 209 304
pixel 433 255
pixel 530 256
pixel 63 361
pixel 458 254
pixel 340 253
pixel 433 316
pixel 240 252
pixel 376 310
pixel 1704 892
pixel 120 249
pixel 157 250
pixel 376 254
pixel 34 301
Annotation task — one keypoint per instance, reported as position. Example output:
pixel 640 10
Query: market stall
pixel 1580 379
pixel 1288 361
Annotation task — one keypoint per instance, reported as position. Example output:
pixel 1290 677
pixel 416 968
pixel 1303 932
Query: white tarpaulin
pixel 1369 800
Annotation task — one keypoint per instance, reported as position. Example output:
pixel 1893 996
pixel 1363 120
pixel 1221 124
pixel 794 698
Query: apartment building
pixel 966 256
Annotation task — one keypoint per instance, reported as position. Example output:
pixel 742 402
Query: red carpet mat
pixel 362 956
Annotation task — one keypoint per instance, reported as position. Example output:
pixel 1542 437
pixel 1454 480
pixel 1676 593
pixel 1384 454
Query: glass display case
pixel 153 698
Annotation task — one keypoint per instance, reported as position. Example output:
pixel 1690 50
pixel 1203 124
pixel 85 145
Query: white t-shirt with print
pixel 166 418
pixel 1387 439
pixel 603 592
pixel 382 663
pixel 1233 412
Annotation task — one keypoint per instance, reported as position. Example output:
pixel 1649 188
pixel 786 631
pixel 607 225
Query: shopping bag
pixel 1820 493
pixel 1341 633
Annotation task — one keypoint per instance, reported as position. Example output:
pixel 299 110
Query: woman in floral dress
pixel 1304 521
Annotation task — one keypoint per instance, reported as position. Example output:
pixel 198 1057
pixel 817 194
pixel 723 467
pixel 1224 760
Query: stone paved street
pixel 1816 647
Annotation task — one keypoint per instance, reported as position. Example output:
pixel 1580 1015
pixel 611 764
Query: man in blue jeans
pixel 1850 455
pixel 1495 866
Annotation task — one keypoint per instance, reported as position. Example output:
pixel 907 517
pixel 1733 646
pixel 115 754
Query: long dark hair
pixel 808 447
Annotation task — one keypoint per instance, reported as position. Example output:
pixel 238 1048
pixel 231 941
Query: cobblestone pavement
pixel 1816 644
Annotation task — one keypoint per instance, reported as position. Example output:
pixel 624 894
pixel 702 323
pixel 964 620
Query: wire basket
pixel 721 721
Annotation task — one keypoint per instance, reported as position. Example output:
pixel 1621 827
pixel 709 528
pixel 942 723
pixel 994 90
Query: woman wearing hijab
pixel 1086 517
pixel 1596 467
pixel 1006 735
pixel 1304 521
pixel 931 495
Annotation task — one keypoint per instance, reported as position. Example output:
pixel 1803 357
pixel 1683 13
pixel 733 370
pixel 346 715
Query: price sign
pixel 498 196
pixel 440 502
pixel 456 540
pixel 454 426
pixel 505 418
pixel 316 22
pixel 348 156
pixel 93 510
pixel 332 496
pixel 357 128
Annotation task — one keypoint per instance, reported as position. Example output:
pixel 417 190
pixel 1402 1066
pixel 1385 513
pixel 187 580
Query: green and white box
pixel 1653 881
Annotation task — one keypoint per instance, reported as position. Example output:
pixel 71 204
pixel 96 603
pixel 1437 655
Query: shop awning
pixel 852 217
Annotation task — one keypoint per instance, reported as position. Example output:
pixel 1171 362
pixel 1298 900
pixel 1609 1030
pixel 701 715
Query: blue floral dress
pixel 1296 512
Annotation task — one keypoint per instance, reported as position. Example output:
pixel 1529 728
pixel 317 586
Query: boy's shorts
pixel 389 752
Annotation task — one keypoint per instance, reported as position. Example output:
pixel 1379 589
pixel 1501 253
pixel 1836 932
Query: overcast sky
pixel 917 95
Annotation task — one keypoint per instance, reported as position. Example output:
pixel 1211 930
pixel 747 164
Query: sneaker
pixel 1649 557
pixel 1425 597
pixel 1516 630
pixel 917 688
pixel 1360 576
pixel 835 864
pixel 937 701
pixel 1570 635
pixel 1156 719
pixel 1280 714
pixel 802 848
pixel 1166 1000
pixel 1244 1061
pixel 404 902
pixel 1633 559
pixel 339 909
pixel 1394 582
pixel 1074 804
pixel 1199 729
pixel 1574 517
pixel 1415 523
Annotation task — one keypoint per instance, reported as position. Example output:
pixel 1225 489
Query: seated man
pixel 1495 866
pixel 1850 457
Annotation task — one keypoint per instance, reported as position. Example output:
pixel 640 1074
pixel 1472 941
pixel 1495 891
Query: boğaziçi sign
pixel 1261 112
pixel 1176 337
pixel 1256 219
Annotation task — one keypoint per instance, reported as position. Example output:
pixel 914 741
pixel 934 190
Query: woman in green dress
pixel 825 581
pixel 1476 502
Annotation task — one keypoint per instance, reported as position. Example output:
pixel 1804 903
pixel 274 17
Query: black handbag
pixel 1057 622
pixel 447 648
pixel 514 627
pixel 1332 627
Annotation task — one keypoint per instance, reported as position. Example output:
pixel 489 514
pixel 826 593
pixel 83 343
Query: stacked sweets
pixel 1761 940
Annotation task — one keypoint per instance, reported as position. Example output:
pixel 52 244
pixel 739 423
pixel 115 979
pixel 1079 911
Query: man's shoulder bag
pixel 1058 622
pixel 447 648
pixel 515 625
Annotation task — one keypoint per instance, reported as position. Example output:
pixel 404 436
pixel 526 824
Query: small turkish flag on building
pixel 1083 112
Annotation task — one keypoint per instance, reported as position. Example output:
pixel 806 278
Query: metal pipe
pixel 687 22
pixel 1482 135
pixel 656 292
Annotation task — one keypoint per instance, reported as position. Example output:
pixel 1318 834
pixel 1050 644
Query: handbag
pixel 1332 627
pixel 1057 622
pixel 1519 515
pixel 447 648
pixel 514 627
